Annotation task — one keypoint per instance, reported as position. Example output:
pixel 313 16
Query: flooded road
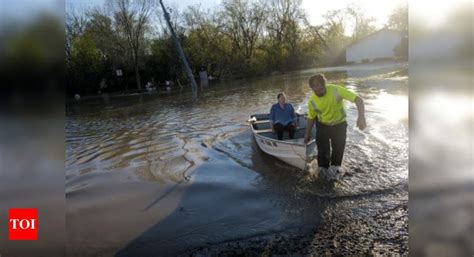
pixel 175 175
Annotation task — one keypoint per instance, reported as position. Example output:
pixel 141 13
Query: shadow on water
pixel 253 203
pixel 225 202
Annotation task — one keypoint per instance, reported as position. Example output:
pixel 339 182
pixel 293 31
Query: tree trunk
pixel 137 76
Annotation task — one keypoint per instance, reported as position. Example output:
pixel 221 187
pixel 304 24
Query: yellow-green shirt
pixel 329 109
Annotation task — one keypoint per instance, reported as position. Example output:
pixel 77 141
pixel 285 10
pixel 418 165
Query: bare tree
pixel 362 24
pixel 335 20
pixel 204 27
pixel 132 21
pixel 284 28
pixel 315 33
pixel 242 21
pixel 75 25
pixel 283 17
pixel 398 19
pixel 332 31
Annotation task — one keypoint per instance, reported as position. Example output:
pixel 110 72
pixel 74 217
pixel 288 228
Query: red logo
pixel 23 224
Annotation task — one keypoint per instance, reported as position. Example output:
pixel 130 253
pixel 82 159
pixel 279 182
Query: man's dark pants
pixel 328 137
pixel 280 129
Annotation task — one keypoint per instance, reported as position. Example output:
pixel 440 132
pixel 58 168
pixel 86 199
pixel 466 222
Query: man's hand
pixel 361 124
pixel 306 138
pixel 307 132
pixel 361 111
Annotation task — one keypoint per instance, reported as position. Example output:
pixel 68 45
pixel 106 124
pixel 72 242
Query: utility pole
pixel 180 50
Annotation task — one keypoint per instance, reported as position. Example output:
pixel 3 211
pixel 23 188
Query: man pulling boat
pixel 326 109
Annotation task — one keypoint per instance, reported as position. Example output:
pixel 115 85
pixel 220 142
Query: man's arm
pixel 351 96
pixel 293 116
pixel 307 132
pixel 271 119
pixel 361 123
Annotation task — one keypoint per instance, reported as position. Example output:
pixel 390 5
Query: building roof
pixel 371 35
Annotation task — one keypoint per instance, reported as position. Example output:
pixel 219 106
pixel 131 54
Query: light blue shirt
pixel 282 115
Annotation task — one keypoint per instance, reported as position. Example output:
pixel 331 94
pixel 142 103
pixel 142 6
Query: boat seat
pixel 262 125
pixel 299 133
pixel 260 122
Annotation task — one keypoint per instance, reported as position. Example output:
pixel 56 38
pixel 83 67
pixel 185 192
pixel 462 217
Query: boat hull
pixel 291 151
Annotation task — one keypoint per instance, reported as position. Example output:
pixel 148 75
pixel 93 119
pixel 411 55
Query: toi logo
pixel 23 224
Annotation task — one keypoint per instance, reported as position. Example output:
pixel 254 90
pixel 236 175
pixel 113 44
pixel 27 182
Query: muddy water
pixel 175 175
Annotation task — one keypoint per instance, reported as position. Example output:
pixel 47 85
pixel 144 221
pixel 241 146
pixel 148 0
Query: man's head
pixel 281 98
pixel 318 84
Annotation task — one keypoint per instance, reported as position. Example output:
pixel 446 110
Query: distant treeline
pixel 240 38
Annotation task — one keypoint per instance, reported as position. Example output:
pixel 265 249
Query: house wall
pixel 379 45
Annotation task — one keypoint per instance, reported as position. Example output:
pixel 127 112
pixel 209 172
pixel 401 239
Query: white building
pixel 378 45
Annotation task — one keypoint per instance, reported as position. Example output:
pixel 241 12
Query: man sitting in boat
pixel 283 117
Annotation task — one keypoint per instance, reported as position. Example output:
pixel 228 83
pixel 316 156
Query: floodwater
pixel 177 175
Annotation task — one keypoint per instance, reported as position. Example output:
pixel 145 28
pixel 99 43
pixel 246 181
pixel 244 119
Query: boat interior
pixel 261 125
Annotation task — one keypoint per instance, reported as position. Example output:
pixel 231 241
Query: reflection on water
pixel 163 140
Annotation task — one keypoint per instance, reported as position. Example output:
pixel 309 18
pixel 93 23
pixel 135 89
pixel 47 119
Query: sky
pixel 378 9
pixel 431 12
pixel 314 9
